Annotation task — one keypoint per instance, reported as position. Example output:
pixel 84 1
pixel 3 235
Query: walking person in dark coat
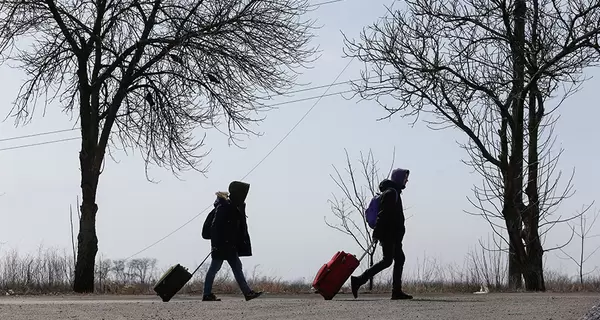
pixel 229 239
pixel 389 231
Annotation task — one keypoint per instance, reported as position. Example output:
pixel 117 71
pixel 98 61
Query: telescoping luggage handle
pixel 201 263
pixel 373 245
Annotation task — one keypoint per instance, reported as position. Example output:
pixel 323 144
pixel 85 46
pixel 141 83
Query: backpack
pixel 373 209
pixel 207 224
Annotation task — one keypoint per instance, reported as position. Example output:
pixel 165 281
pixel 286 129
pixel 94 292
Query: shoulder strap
pixel 395 194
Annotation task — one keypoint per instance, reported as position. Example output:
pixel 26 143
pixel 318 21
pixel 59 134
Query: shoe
pixel 210 297
pixel 252 295
pixel 401 296
pixel 355 284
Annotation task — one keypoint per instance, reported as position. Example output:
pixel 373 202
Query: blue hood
pixel 398 176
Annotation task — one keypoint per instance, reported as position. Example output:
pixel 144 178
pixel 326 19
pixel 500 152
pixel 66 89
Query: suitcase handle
pixel 374 244
pixel 201 263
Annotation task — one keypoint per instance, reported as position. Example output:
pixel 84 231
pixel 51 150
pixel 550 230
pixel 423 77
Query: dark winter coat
pixel 389 226
pixel 229 230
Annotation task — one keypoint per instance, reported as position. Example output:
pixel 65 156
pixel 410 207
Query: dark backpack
pixel 208 224
pixel 373 209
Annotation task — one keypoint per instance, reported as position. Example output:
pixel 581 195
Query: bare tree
pixel 348 209
pixel 118 269
pixel 487 68
pixel 103 268
pixel 489 198
pixel 146 73
pixel 582 230
pixel 141 269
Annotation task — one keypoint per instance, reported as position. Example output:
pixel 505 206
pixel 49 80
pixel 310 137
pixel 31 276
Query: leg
pixel 386 262
pixel 399 259
pixel 215 266
pixel 238 273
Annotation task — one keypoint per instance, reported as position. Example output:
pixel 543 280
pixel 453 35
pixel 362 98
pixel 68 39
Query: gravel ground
pixel 593 314
pixel 303 307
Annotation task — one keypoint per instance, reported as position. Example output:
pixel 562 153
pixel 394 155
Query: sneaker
pixel 401 296
pixel 252 295
pixel 355 285
pixel 210 297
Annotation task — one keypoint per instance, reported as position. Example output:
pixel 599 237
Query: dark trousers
pixel 392 253
pixel 236 266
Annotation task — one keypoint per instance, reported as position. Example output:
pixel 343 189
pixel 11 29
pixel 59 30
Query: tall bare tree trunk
pixel 87 238
pixel 516 249
pixel 515 280
pixel 87 247
pixel 514 181
pixel 534 274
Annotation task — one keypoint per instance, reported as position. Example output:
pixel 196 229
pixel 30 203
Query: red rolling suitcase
pixel 332 275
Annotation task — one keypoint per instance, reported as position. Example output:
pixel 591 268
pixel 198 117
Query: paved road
pixel 302 307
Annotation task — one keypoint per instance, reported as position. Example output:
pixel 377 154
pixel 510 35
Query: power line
pixel 271 105
pixel 297 123
pixel 38 134
pixel 309 98
pixel 253 168
pixel 38 144
pixel 74 138
pixel 317 87
pixel 324 3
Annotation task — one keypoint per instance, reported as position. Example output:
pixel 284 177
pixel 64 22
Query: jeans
pixel 236 267
pixel 392 253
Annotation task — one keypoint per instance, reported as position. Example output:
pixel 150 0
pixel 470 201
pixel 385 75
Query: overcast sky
pixel 289 191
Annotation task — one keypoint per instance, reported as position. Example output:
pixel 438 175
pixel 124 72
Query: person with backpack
pixel 227 229
pixel 388 228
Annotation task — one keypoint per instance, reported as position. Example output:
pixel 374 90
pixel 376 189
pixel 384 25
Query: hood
pixel 238 191
pixel 399 176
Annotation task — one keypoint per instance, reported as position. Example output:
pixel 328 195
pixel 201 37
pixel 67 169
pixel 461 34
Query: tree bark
pixel 516 249
pixel 515 279
pixel 513 200
pixel 87 247
pixel 87 238
pixel 534 275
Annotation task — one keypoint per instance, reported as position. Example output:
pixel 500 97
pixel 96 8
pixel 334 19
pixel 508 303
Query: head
pixel 238 191
pixel 400 177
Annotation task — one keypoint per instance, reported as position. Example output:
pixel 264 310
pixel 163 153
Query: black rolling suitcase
pixel 173 280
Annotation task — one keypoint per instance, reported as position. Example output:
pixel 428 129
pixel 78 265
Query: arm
pixel 221 227
pixel 386 215
pixel 388 206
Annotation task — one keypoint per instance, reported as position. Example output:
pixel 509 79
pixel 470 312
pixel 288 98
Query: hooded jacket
pixel 389 226
pixel 229 228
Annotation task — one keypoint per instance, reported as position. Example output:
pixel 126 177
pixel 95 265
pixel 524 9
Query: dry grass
pixel 50 271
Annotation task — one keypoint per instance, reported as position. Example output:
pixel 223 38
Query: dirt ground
pixel 302 307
